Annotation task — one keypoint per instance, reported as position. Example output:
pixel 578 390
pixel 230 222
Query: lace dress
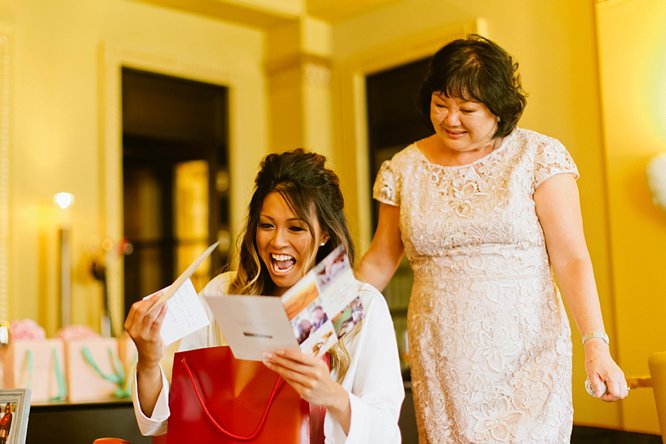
pixel 490 345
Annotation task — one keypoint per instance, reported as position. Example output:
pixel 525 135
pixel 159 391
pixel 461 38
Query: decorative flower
pixel 73 332
pixel 26 329
pixel 656 176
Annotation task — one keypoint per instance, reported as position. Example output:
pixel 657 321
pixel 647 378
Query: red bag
pixel 215 398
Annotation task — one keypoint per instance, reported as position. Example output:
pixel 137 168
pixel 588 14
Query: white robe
pixel 373 380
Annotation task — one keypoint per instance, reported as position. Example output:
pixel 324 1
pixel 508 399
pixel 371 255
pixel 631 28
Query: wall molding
pixel 111 61
pixel 5 63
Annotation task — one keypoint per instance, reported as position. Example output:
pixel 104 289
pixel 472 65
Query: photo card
pixel 14 413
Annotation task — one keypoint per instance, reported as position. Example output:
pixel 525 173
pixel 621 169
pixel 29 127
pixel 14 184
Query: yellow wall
pixel 63 60
pixel 632 52
pixel 554 43
pixel 65 88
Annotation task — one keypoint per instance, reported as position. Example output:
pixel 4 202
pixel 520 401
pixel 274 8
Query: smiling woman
pixel 296 218
pixel 284 241
pixel 473 207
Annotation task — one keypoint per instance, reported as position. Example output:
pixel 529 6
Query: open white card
pixel 252 324
pixel 321 308
pixel 185 312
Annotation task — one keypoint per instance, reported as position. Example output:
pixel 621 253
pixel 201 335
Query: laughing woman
pixel 295 219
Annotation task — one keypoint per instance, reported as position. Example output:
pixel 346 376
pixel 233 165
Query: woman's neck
pixel 434 149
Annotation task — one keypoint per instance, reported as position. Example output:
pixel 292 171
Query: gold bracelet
pixel 596 334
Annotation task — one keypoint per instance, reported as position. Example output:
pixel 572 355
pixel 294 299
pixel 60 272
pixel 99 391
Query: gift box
pixel 94 371
pixel 37 364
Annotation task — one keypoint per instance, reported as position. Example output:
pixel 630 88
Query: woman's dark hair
pixel 311 190
pixel 476 68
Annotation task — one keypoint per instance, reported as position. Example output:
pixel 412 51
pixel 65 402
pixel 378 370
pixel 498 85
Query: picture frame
pixel 16 403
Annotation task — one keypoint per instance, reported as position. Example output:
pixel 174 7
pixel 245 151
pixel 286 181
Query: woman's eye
pixel 296 228
pixel 265 226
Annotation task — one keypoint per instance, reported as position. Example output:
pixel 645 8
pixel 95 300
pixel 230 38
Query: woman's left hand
pixel 308 375
pixel 600 367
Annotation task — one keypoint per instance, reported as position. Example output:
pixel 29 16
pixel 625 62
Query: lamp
pixel 64 201
pixel 656 176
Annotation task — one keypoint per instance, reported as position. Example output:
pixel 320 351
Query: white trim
pixel 112 60
pixel 5 62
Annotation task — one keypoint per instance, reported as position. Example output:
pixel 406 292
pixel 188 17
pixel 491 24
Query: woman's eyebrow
pixel 291 219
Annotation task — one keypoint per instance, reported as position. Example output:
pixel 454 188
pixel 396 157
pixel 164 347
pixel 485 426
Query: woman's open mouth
pixel 282 263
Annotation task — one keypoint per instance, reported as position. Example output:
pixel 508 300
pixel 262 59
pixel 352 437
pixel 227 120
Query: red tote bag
pixel 215 398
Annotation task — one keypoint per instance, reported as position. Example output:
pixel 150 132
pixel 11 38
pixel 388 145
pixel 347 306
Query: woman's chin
pixel 284 280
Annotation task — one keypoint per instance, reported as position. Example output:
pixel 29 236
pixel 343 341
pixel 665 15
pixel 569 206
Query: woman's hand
pixel 143 324
pixel 310 377
pixel 601 367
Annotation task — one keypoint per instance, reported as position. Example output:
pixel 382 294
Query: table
pixel 74 423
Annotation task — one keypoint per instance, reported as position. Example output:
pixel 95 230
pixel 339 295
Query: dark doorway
pixel 175 179
pixel 394 121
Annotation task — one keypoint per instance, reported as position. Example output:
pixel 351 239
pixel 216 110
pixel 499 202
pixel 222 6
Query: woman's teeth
pixel 282 263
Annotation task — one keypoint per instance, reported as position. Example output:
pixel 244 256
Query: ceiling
pixel 266 13
pixel 336 10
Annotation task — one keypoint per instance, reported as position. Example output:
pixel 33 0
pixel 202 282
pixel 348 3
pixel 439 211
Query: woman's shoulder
pixel 533 138
pixel 407 154
pixel 400 163
pixel 371 298
pixel 220 283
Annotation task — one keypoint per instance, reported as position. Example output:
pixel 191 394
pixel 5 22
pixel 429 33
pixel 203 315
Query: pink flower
pixel 26 329
pixel 72 332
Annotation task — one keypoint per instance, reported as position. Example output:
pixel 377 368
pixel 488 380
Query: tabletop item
pixel 590 390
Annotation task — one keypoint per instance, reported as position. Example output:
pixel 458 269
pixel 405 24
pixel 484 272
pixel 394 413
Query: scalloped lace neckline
pixel 490 155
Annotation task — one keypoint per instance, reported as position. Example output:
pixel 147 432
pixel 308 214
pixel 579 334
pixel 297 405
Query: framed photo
pixel 14 411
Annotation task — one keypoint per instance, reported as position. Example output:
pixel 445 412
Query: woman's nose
pixel 452 118
pixel 279 238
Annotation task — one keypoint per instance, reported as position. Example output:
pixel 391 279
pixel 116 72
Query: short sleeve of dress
pixel 552 158
pixel 386 189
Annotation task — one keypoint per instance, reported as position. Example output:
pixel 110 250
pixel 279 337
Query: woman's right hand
pixel 143 324
pixel 601 368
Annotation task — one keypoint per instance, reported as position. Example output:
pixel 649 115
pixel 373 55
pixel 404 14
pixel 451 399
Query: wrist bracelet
pixel 596 334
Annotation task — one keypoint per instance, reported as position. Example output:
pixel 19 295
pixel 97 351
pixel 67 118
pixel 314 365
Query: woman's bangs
pixel 464 84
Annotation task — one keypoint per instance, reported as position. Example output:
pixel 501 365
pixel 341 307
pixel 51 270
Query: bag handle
pixel 195 385
pixel 28 364
pixel 60 378
pixel 117 376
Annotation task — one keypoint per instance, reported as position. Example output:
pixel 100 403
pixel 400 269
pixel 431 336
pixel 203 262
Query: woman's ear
pixel 324 238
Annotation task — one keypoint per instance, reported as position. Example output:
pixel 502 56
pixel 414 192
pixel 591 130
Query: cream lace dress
pixel 490 346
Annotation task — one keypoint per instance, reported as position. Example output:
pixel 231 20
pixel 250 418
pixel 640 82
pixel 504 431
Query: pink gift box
pixel 38 364
pixel 94 371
